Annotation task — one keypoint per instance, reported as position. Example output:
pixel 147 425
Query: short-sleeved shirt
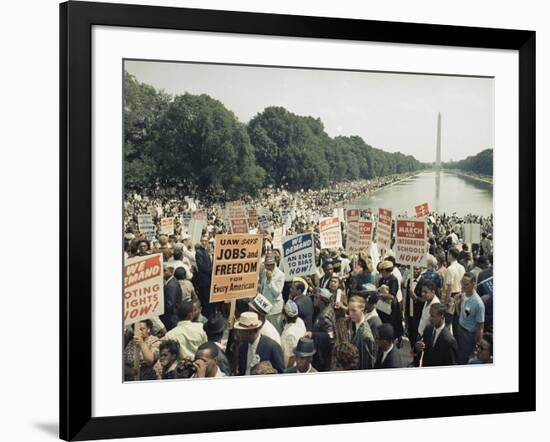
pixel 472 312
pixel 454 275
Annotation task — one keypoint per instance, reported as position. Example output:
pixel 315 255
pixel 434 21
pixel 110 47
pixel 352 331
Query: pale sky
pixel 393 112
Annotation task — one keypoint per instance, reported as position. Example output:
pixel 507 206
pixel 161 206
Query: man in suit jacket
pixel 304 302
pixel 437 343
pixel 172 298
pixel 255 347
pixel 388 354
pixel 203 277
pixel 360 333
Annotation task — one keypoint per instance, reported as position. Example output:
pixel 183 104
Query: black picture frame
pixel 76 21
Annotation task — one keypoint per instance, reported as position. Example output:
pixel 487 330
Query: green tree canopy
pixel 196 141
pixel 482 163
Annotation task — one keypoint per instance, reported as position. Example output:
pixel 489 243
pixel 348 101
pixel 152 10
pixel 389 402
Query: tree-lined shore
pixel 195 141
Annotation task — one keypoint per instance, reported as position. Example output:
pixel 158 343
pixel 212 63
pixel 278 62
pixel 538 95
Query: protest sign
pixel 353 215
pixel 472 233
pixel 410 241
pixel 263 222
pixel 339 212
pixel 167 226
pixel 422 210
pixel 278 234
pixel 236 209
pixel 252 215
pixel 186 218
pixel 237 214
pixel 298 255
pixel 330 233
pixel 195 230
pixel 366 229
pixel 383 228
pixel 239 225
pixel 236 267
pixel 143 288
pixel 146 226
pixel 352 230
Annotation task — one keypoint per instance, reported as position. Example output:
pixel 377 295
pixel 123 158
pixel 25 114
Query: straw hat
pixel 303 281
pixel 248 321
pixel 386 265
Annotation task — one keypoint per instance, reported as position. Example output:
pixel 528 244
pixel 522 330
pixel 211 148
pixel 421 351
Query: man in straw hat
pixel 388 287
pixel 254 347
pixel 303 354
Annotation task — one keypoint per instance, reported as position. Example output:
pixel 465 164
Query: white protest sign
pixel 167 226
pixel 298 255
pixel 146 225
pixel 278 234
pixel 383 228
pixel 143 288
pixel 186 218
pixel 410 241
pixel 330 233
pixel 196 227
pixel 263 222
pixel 472 233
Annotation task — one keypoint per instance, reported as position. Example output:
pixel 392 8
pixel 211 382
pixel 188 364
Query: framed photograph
pixel 313 211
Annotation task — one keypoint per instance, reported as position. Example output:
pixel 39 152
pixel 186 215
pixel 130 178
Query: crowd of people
pixel 360 311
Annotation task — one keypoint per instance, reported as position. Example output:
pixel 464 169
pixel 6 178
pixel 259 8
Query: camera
pixel 185 369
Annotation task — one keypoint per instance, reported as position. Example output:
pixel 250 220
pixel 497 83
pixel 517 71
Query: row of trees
pixel 195 140
pixel 482 163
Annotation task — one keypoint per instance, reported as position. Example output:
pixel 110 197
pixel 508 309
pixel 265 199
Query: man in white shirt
pixel 263 307
pixel 397 273
pixel 428 295
pixel 272 281
pixel 453 286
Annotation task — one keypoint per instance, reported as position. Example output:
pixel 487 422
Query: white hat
pixel 261 304
pixel 248 321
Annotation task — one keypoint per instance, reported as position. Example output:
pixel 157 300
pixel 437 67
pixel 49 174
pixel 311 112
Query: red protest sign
pixel 143 288
pixel 252 215
pixel 422 210
pixel 239 225
pixel 410 242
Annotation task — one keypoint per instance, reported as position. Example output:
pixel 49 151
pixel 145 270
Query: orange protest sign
pixel 236 267
pixel 143 288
